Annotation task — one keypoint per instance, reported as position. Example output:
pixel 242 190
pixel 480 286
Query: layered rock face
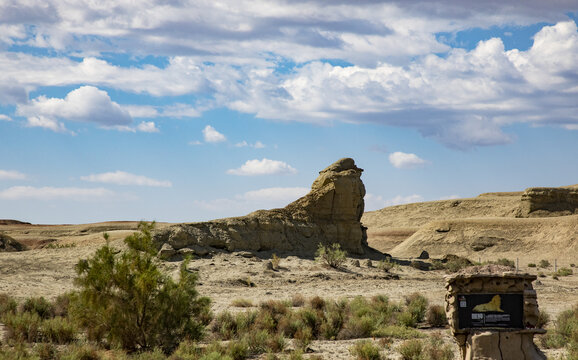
pixel 329 213
pixel 540 202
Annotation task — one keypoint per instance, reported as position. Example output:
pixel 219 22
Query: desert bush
pixel 407 319
pixel 331 256
pixel 7 305
pixel 452 263
pixel 23 327
pixel 61 304
pixel 564 272
pixel 275 262
pixel 504 262
pixel 417 305
pixel 435 349
pixel 38 305
pixel 317 303
pixel 385 265
pixel 187 350
pixel 532 265
pixel 544 264
pixel 365 350
pixel 358 327
pixel 59 330
pixel 411 349
pixel 46 351
pixel 242 303
pixel 543 319
pixel 126 299
pixel 565 332
pixel 333 319
pixel 238 350
pixel 297 300
pixel 436 316
pixel 81 352
pixel 303 337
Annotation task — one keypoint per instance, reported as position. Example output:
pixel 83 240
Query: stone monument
pixel 493 313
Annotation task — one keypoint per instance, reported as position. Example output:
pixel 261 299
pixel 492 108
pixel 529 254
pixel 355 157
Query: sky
pixel 190 110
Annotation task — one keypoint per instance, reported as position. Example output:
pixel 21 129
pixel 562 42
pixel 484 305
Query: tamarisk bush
pixel 127 301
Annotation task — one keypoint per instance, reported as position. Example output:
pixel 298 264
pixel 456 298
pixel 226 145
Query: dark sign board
pixel 491 310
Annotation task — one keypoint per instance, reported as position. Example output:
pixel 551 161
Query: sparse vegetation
pixel 503 262
pixel 365 350
pixel 544 264
pixel 436 316
pixel 532 265
pixel 564 272
pixel 331 256
pixel 565 333
pixel 244 303
pixel 127 301
pixel 386 265
pixel 275 262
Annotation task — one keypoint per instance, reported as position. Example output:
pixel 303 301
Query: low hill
pixel 538 222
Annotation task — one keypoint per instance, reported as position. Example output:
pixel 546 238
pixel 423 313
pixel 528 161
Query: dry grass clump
pixel 243 303
pixel 365 350
pixel 436 316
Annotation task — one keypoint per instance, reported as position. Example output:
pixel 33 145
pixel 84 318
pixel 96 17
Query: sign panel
pixel 491 310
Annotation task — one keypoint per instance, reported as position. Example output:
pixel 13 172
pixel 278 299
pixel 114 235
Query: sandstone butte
pixel 330 213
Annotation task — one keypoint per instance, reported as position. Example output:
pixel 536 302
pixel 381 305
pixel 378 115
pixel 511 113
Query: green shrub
pixel 238 350
pixel 417 306
pixel 23 327
pixel 126 299
pixel 365 350
pixel 38 305
pixel 435 349
pixel 7 305
pixel 564 272
pixel 411 349
pixel 59 330
pixel 331 256
pixel 504 262
pixel 407 319
pixel 543 319
pixel 187 350
pixel 544 264
pixel 436 316
pixel 81 352
pixel 46 351
pixel 532 265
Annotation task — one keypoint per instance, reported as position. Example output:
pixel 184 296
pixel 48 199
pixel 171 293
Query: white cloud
pixel 5 117
pixel 256 145
pixel 53 193
pixel 124 178
pixel 195 143
pixel 147 126
pixel 263 167
pixel 376 202
pixel 460 98
pixel 405 161
pixel 213 136
pixel 12 175
pixel 85 104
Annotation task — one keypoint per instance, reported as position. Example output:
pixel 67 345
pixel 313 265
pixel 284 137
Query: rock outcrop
pixel 329 213
pixel 8 244
pixel 544 202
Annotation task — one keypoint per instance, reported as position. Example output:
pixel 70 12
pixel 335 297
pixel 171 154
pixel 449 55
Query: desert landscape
pixel 526 227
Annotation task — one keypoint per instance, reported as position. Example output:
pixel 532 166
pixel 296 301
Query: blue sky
pixel 189 110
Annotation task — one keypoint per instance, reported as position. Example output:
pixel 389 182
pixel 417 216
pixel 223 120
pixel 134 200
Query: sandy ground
pixel 50 272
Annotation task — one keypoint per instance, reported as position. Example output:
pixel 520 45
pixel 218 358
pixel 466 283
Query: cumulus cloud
pixel 211 135
pixel 54 193
pixel 403 160
pixel 263 167
pixel 85 104
pixel 239 59
pixel 5 117
pixel 124 178
pixel 12 175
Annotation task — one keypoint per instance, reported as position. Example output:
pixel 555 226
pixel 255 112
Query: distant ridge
pixel 13 222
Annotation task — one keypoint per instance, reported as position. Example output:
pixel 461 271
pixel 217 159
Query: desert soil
pixel 49 272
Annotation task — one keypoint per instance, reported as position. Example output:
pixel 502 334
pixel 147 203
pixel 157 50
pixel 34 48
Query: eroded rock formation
pixel 542 201
pixel 8 244
pixel 329 213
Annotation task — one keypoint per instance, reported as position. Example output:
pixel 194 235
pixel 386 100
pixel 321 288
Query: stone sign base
pixel 503 345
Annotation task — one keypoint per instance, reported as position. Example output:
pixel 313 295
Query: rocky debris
pixel 8 244
pixel 424 255
pixel 544 202
pixel 329 213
